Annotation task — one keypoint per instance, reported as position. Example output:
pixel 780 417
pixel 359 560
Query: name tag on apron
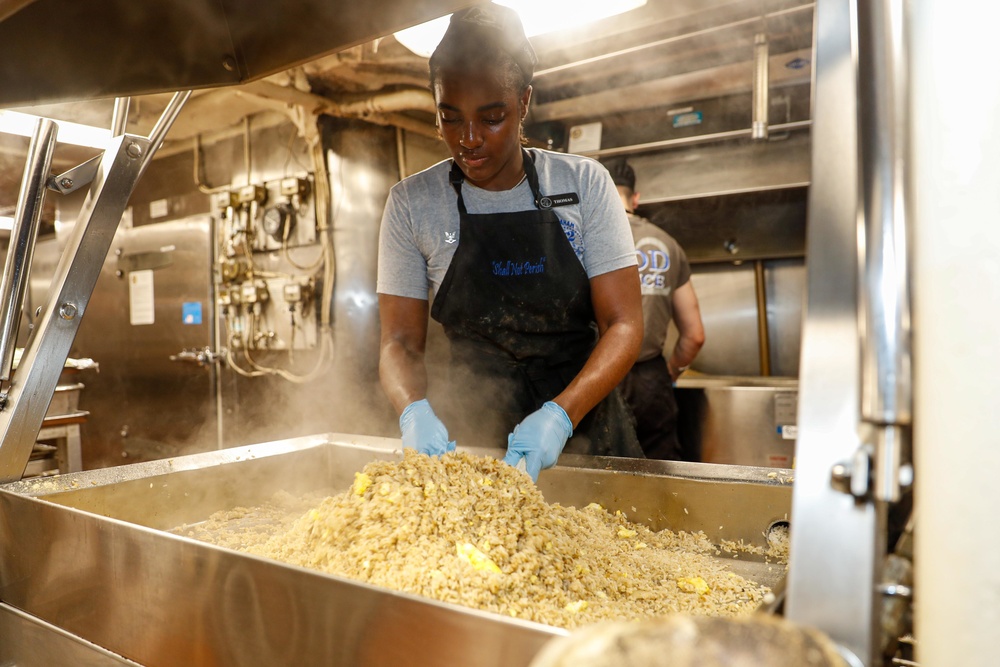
pixel 551 201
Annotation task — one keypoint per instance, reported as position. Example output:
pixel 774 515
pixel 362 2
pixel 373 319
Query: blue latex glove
pixel 423 431
pixel 539 438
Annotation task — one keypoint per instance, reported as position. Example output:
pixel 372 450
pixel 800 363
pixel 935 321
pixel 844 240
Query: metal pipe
pixel 119 119
pixel 247 159
pixel 758 126
pixel 22 238
pixel 886 377
pixel 166 120
pixel 763 334
pixel 694 141
pixel 671 40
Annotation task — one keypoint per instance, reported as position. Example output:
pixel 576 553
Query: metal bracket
pixel 75 178
pixel 854 477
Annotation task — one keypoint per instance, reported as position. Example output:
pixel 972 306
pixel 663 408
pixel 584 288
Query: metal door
pixel 148 323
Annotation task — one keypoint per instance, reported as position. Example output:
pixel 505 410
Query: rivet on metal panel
pixel 133 150
pixel 229 63
pixel 67 311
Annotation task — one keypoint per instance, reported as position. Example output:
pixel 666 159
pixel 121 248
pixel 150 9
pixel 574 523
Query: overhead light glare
pixel 23 124
pixel 6 223
pixel 538 17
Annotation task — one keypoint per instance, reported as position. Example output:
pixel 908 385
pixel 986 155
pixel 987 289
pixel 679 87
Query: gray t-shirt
pixel 420 226
pixel 663 267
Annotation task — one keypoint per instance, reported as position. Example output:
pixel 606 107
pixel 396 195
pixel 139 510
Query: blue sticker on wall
pixel 191 312
pixel 687 119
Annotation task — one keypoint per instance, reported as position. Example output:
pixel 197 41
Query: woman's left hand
pixel 539 438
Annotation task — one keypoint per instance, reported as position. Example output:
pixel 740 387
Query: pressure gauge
pixel 279 221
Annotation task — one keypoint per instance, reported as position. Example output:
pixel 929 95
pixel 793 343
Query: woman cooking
pixel 529 259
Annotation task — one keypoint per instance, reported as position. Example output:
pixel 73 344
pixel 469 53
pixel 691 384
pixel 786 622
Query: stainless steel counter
pixel 27 642
pixel 87 553
pixel 739 420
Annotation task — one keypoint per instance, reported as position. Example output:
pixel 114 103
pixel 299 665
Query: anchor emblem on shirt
pixel 450 237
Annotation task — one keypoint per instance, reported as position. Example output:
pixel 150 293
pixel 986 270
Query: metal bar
pixel 670 40
pixel 164 124
pixel 758 126
pixel 22 238
pixel 119 118
pixel 837 540
pixel 683 142
pixel 71 288
pixel 886 366
pixel 763 336
pixel 75 178
pixel 884 122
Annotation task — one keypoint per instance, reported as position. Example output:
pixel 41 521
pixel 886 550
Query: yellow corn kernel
pixel 693 585
pixel 625 532
pixel 476 558
pixel 361 483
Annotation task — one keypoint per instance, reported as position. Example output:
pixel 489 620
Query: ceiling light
pixel 23 124
pixel 6 223
pixel 538 16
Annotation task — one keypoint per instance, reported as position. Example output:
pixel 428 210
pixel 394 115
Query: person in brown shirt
pixel 667 295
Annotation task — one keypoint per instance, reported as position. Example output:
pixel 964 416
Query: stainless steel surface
pixel 119 117
pixel 727 297
pixel 22 239
pixel 751 22
pixel 886 389
pixel 167 600
pixel 886 359
pixel 113 48
pixel 761 82
pixel 740 420
pixel 719 168
pixel 362 165
pixel 836 545
pixel 143 404
pixel 72 284
pixel 26 641
pixel 697 140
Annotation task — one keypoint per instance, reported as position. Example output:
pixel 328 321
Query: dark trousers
pixel 649 392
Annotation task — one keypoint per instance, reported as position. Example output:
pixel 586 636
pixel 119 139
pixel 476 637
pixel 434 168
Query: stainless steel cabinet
pixel 152 302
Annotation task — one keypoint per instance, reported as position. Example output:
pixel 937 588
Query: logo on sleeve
pixel 450 237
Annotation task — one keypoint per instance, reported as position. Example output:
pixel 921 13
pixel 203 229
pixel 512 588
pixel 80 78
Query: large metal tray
pixel 87 552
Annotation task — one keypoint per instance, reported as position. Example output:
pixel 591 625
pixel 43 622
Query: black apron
pixel 515 304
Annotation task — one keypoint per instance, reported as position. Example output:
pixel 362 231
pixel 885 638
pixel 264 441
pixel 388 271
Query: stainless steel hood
pixel 53 50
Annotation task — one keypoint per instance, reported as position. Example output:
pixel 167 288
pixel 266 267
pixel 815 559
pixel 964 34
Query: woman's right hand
pixel 423 431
